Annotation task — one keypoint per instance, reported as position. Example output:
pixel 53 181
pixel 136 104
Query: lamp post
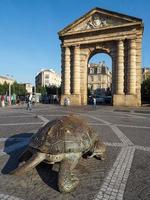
pixel 9 93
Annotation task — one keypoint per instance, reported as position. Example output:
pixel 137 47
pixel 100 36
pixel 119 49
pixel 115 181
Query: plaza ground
pixel 124 175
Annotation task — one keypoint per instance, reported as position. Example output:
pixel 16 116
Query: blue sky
pixel 28 31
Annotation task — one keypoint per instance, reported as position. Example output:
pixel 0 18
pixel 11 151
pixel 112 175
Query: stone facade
pixel 99 77
pixel 28 87
pixel 48 77
pixel 145 73
pixel 102 31
pixel 8 80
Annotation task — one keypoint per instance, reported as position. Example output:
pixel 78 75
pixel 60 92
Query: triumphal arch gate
pixel 102 31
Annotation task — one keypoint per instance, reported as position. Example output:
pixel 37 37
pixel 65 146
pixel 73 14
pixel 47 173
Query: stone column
pixel 138 67
pixel 67 71
pixel 120 68
pixel 62 69
pixel 83 76
pixel 113 55
pixel 131 89
pixel 76 70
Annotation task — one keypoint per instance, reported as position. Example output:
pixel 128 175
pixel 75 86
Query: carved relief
pixel 95 22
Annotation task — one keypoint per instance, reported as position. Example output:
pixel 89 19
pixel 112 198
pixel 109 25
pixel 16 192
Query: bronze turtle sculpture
pixel 63 140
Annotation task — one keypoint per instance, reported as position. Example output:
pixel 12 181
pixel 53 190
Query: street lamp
pixel 9 89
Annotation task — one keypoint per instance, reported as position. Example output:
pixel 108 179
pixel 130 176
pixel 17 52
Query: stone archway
pixel 99 73
pixel 113 33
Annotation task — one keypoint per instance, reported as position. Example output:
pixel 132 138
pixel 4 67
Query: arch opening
pixel 99 78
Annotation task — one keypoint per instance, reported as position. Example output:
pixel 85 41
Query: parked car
pixel 108 99
pixel 99 99
pixel 45 99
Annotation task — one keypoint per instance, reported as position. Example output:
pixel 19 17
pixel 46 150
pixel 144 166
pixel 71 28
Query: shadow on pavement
pixel 48 175
pixel 14 147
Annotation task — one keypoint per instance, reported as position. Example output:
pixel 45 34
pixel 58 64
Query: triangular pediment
pixel 98 19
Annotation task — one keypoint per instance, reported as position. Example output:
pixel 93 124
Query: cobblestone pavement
pixel 124 175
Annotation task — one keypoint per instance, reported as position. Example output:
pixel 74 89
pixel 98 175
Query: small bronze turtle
pixel 63 140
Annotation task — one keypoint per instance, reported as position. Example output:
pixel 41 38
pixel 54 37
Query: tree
pixel 4 88
pixel 145 90
pixel 18 89
pixel 53 90
pixel 41 89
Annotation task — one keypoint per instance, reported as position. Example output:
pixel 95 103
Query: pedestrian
pixel 94 102
pixel 68 101
pixel 2 101
pixel 29 102
pixel 65 101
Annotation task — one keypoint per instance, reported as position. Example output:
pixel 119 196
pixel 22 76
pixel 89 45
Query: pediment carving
pixel 98 19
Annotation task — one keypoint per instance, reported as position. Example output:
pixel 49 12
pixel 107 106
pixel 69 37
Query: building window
pixel 91 70
pixel 47 83
pixel 103 70
pixel 92 78
pixel 98 70
pixel 47 76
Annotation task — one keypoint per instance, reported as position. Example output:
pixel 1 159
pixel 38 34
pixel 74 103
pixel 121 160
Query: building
pixel 145 73
pixel 99 77
pixel 48 77
pixel 8 80
pixel 102 31
pixel 28 87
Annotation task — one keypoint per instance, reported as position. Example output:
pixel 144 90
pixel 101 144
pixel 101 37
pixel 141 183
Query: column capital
pixel 77 46
pixel 120 42
pixel 65 45
pixel 131 41
pixel 67 50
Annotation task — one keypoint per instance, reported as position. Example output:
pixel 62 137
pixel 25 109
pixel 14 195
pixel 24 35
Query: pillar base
pixel 75 99
pixel 126 100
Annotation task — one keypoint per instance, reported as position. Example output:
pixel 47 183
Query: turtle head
pixel 99 151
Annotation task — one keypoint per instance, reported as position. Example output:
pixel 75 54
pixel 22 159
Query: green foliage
pixel 48 90
pixel 41 89
pixel 53 90
pixel 16 88
pixel 4 88
pixel 145 90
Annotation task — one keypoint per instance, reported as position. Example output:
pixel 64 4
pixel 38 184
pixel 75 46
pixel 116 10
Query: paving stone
pixel 125 180
pixel 137 136
pixel 138 184
pixel 106 133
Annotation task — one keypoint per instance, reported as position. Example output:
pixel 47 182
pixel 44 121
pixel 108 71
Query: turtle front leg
pixel 99 150
pixel 67 181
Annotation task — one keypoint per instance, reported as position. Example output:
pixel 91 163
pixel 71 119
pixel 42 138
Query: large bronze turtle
pixel 63 140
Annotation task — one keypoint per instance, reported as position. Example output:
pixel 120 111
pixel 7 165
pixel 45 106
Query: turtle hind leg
pixel 30 164
pixel 67 181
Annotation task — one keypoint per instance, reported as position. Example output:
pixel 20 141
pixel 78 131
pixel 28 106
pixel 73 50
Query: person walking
pixel 29 102
pixel 2 101
pixel 94 102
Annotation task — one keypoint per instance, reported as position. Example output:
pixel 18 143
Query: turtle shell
pixel 65 135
